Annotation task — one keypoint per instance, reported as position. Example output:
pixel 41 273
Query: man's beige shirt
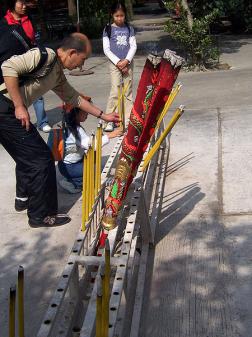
pixel 34 88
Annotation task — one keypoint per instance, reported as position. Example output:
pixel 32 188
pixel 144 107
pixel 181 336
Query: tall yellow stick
pixel 92 171
pixel 106 288
pixel 98 159
pixel 178 113
pixel 99 308
pixel 168 103
pixel 12 306
pixel 88 183
pixel 123 107
pixel 102 273
pixel 84 194
pixel 21 301
pixel 123 93
pixel 120 106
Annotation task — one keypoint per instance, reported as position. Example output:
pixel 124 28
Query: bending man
pixel 26 79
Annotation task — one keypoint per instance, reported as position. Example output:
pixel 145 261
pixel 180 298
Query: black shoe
pixel 50 221
pixel 21 205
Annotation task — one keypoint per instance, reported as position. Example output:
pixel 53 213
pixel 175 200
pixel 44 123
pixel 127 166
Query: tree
pixel 42 21
pixel 71 8
pixel 239 12
pixel 186 8
pixel 128 4
pixel 193 34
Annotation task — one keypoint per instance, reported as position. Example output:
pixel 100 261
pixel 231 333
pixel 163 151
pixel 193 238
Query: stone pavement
pixel 200 272
pixel 200 269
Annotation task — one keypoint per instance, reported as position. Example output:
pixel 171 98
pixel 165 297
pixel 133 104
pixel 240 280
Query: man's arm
pixel 18 65
pixel 95 111
pixel 69 95
pixel 12 69
pixel 21 112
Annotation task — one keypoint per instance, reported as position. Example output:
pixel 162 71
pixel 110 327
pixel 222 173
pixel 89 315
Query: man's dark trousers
pixel 35 166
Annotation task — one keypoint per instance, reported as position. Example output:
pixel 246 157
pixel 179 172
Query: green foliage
pixel 196 42
pixel 238 11
pixel 94 16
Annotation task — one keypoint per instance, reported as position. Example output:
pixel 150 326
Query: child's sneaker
pixel 69 187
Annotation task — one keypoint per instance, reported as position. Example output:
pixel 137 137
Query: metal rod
pixel 170 125
pixel 21 301
pixel 99 308
pixel 12 308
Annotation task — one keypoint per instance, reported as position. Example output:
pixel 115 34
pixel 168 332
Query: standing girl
pixel 119 45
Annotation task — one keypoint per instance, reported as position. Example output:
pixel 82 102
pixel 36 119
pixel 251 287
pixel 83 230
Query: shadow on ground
pixel 230 44
pixel 191 283
pixel 41 253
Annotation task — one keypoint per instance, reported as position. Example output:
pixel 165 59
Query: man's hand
pixel 112 117
pixel 22 114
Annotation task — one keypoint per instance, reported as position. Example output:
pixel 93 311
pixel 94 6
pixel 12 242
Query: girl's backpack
pixel 56 141
pixel 108 29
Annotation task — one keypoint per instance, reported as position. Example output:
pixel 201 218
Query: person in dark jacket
pixel 16 17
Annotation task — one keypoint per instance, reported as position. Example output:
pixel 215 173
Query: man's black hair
pixel 73 42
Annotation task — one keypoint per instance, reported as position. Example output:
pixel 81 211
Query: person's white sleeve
pixel 105 140
pixel 84 140
pixel 106 48
pixel 133 48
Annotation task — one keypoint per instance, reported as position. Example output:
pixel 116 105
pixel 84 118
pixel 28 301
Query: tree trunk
pixel 71 8
pixel 42 20
pixel 185 6
pixel 128 4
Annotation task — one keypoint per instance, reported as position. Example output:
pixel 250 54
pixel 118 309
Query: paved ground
pixel 200 271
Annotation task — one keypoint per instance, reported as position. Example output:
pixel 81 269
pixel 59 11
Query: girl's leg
pixel 39 108
pixel 128 80
pixel 72 172
pixel 116 79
